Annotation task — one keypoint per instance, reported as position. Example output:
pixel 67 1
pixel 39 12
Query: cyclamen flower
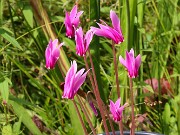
pixel 73 81
pixel 131 63
pixel 114 33
pixel 52 53
pixel 72 21
pixel 116 109
pixel 82 42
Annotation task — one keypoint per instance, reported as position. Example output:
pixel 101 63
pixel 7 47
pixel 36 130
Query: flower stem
pixel 110 121
pixel 97 95
pixel 117 82
pixel 93 85
pixel 86 115
pixel 132 106
pixel 79 115
pixel 60 68
pixel 89 73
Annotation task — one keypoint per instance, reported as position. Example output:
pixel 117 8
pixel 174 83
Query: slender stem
pixel 116 69
pixel 97 95
pixel 60 68
pixel 110 121
pixel 86 115
pixel 132 107
pixel 117 82
pixel 79 115
pixel 5 110
pixel 93 85
pixel 89 73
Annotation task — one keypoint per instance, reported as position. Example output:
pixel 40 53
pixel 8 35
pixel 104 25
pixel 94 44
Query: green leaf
pixel 75 120
pixel 145 86
pixel 70 44
pixel 4 89
pixel 7 130
pixel 166 118
pixel 25 117
pixel 17 126
pixel 28 14
pixel 12 40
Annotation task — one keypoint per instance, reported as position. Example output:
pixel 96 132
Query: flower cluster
pixel 74 79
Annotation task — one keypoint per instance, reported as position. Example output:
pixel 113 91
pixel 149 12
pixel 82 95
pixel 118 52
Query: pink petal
pixel 118 103
pixel 88 38
pixel 129 64
pixel 79 42
pixel 115 21
pixel 79 74
pixel 80 81
pixel 71 72
pixel 73 12
pixel 122 61
pixel 137 62
pixel 103 32
pixel 131 53
pixel 67 19
pixel 76 20
pixel 112 107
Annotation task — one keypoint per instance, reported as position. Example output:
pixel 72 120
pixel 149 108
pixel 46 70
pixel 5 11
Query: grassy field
pixel 31 95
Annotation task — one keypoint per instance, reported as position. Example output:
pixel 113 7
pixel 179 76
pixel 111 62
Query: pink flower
pixel 52 53
pixel 114 33
pixel 73 81
pixel 116 110
pixel 82 42
pixel 131 63
pixel 72 21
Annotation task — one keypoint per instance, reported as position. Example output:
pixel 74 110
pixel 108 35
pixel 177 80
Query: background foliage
pixel 32 93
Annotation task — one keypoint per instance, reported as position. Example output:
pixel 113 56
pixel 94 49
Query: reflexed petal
pixel 79 42
pixel 137 62
pixel 73 12
pixel 80 81
pixel 79 74
pixel 71 72
pixel 118 103
pixel 115 21
pixel 129 64
pixel 122 61
pixel 76 20
pixel 131 53
pixel 55 42
pixel 67 19
pixel 102 32
pixel 112 107
pixel 88 38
